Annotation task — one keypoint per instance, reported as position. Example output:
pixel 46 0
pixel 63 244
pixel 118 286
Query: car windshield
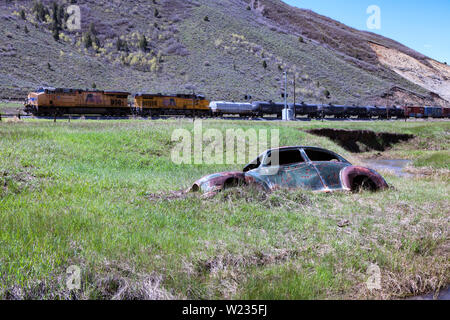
pixel 254 164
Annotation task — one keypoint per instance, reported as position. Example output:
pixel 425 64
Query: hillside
pixel 223 49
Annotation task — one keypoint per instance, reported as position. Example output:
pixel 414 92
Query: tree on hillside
pixel 87 40
pixel 55 34
pixel 40 10
pixel 121 45
pixel 143 43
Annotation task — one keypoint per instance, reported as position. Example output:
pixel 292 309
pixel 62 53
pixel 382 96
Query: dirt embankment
pixel 357 141
pixel 435 76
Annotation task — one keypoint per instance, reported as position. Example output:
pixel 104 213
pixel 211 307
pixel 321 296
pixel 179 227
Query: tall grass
pixel 97 195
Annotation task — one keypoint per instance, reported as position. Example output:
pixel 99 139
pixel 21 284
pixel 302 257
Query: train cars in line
pixel 268 108
pixel 242 109
pixel 433 112
pixel 61 101
pixel 308 110
pixel 178 104
pixel 414 112
pixel 446 112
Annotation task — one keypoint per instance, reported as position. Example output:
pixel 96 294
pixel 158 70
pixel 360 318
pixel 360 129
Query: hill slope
pixel 223 49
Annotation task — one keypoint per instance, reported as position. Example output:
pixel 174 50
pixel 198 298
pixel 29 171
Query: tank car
pixel 220 108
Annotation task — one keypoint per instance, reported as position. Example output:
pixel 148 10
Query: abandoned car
pixel 309 168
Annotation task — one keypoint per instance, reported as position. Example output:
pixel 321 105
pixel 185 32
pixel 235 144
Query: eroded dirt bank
pixel 358 141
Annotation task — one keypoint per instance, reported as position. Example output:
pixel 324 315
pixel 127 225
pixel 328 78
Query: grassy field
pixel 97 194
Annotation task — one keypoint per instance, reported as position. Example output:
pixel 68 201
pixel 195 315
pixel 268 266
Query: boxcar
pixel 62 101
pixel 414 112
pixel 446 112
pixel 179 104
pixel 433 112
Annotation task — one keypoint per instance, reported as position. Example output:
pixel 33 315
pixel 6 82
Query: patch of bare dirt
pixel 171 195
pixel 433 76
pixel 17 181
pixel 259 258
pixel 114 282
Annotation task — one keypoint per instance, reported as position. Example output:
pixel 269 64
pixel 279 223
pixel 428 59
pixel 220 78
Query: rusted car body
pixel 296 168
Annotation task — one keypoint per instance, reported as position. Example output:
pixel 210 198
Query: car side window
pixel 315 155
pixel 283 158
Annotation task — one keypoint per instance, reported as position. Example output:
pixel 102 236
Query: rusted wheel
pixel 363 183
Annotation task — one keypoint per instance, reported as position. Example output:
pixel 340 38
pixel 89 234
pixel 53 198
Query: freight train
pixel 59 101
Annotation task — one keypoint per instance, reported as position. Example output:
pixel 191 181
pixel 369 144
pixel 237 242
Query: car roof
pixel 301 147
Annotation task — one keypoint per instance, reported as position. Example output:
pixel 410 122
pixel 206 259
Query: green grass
pixel 83 193
pixel 439 160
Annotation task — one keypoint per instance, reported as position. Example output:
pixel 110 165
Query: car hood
pixel 215 182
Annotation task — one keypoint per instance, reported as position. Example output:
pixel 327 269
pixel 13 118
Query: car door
pixel 287 168
pixel 328 165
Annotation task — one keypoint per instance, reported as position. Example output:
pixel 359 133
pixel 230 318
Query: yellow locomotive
pixel 179 104
pixel 60 101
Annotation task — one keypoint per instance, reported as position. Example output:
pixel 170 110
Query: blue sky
pixel 421 25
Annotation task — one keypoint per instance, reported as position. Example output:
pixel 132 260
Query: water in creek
pixel 396 166
pixel 444 294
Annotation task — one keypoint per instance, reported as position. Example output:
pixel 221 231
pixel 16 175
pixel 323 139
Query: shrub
pixel 40 10
pixel 56 34
pixel 22 14
pixel 143 43
pixel 264 64
pixel 206 19
pixel 121 45
pixel 87 40
pixel 92 29
pixel 301 40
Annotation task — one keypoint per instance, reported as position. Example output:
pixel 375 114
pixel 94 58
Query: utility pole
pixel 294 91
pixel 287 113
pixel 295 115
pixel 285 91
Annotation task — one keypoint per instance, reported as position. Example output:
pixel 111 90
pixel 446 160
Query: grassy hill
pixel 223 49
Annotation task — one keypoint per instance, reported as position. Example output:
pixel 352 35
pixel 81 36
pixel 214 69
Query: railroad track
pixel 103 118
